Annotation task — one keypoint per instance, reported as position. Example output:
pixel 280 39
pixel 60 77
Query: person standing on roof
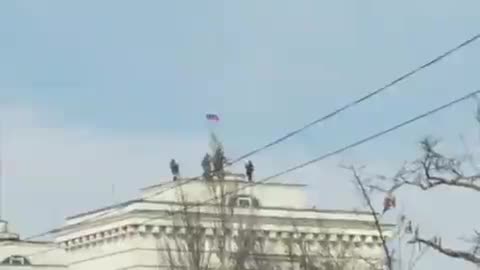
pixel 249 168
pixel 206 166
pixel 175 169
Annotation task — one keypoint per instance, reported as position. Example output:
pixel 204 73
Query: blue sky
pixel 100 92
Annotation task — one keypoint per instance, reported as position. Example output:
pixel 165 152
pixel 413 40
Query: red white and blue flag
pixel 212 117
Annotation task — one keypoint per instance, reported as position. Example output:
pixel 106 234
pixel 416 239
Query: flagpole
pixel 211 124
pixel 210 132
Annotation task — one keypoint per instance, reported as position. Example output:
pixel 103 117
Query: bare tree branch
pixel 435 169
pixel 378 226
pixel 436 245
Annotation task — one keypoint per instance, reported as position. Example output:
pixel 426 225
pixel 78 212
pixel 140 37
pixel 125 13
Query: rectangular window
pixel 244 202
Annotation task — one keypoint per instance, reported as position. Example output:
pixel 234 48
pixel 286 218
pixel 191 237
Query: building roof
pixel 171 185
pixel 128 203
pixel 277 199
pixel 239 181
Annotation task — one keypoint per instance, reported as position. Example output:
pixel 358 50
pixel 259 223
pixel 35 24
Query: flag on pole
pixel 212 117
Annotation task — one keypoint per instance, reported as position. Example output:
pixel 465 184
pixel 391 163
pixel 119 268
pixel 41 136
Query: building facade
pixel 225 223
pixel 29 255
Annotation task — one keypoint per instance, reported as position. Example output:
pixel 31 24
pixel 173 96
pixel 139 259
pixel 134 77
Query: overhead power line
pixel 374 136
pixel 346 106
pixel 323 118
pixel 344 148
pixel 360 100
pixel 355 144
pixel 319 158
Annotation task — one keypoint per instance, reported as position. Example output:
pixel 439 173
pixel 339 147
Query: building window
pixel 244 202
pixel 16 260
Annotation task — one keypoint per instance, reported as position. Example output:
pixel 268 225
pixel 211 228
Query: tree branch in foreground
pixel 435 169
pixel 437 245
pixel 378 226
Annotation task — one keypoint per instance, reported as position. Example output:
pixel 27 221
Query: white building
pixel 143 234
pixel 22 254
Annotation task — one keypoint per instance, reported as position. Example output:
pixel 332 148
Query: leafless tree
pixel 232 243
pixel 307 254
pixel 187 250
pixel 433 169
pixel 393 258
pixel 228 236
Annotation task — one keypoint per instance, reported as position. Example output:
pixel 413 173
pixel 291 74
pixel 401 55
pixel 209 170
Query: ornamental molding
pixel 125 232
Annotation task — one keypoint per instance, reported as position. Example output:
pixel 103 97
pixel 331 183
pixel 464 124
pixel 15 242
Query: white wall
pixel 114 241
pixel 269 195
pixel 41 255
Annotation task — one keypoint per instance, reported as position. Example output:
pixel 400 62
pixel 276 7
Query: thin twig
pixel 378 226
pixel 467 256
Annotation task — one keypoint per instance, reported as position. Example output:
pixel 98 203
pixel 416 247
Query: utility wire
pixel 374 136
pixel 345 107
pixel 322 157
pixel 321 119
pixel 353 145
pixel 360 100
